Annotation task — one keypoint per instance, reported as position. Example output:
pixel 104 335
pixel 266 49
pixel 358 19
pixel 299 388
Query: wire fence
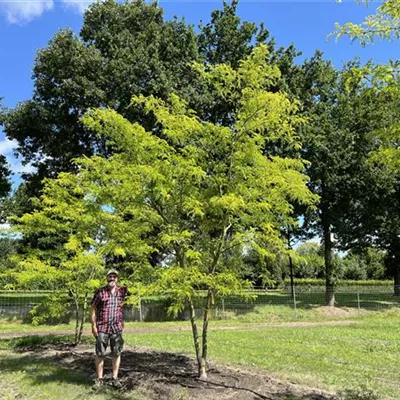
pixel 258 305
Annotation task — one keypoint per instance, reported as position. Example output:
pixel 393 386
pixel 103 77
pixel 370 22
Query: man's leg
pixel 101 347
pixel 116 343
pixel 116 361
pixel 100 367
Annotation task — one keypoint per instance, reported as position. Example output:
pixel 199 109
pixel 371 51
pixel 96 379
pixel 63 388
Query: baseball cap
pixel 112 271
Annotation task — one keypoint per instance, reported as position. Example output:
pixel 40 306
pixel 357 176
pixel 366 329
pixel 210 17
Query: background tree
pixel 378 216
pixel 367 264
pixel 372 214
pixel 122 50
pixel 310 261
pixel 225 39
pixel 5 177
pixel 5 173
pixel 5 188
pixel 337 140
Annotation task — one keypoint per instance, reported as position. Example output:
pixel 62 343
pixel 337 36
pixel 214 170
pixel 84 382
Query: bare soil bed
pixel 167 376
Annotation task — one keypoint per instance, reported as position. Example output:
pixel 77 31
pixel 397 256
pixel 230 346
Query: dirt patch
pixel 337 312
pixel 168 376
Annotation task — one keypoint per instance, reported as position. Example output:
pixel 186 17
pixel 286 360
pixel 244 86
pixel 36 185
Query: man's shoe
pixel 98 383
pixel 116 383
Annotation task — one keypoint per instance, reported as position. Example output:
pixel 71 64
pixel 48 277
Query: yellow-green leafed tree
pixel 201 189
pixel 67 233
pixel 383 24
pixel 383 79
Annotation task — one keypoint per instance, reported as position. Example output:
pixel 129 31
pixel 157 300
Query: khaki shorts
pixel 116 344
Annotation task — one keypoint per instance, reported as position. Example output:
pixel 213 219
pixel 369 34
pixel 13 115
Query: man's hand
pixel 93 321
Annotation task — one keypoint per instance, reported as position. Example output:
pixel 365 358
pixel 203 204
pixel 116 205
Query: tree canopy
pixel 383 24
pixel 202 189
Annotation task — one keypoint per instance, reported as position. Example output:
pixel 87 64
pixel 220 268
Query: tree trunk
pixel 206 318
pixel 329 278
pixel 392 265
pixel 82 320
pixel 76 341
pixel 76 319
pixel 195 334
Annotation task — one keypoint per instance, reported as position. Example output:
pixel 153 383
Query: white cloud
pixel 77 5
pixel 18 168
pixel 7 146
pixel 20 11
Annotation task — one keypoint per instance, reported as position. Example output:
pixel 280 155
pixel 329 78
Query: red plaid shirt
pixel 109 316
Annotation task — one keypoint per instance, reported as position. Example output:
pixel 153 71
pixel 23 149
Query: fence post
pixel 294 301
pixel 358 301
pixel 140 308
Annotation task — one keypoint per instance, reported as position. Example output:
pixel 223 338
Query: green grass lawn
pixel 258 314
pixel 326 357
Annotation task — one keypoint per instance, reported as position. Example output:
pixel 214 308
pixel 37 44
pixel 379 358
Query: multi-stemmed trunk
pixel 80 317
pixel 206 318
pixel 195 334
pixel 201 351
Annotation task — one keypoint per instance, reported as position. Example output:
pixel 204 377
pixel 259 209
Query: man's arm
pixel 93 321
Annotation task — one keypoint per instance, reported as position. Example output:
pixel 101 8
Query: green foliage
pixel 341 282
pixel 369 264
pixel 310 263
pixel 345 115
pixel 5 175
pixel 67 228
pixel 122 49
pixel 263 271
pixel 55 309
pixel 225 40
pixel 8 247
pixel 384 24
pixel 208 188
pixel 205 190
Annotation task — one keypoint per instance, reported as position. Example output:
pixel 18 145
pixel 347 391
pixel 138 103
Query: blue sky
pixel 28 25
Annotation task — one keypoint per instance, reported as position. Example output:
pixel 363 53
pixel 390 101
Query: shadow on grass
pixel 161 376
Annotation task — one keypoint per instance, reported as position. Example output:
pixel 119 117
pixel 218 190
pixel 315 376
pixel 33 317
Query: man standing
pixel 107 326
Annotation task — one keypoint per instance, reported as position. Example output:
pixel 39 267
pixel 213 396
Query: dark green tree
pixel 226 39
pixel 122 50
pixel 365 264
pixel 5 177
pixel 337 141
